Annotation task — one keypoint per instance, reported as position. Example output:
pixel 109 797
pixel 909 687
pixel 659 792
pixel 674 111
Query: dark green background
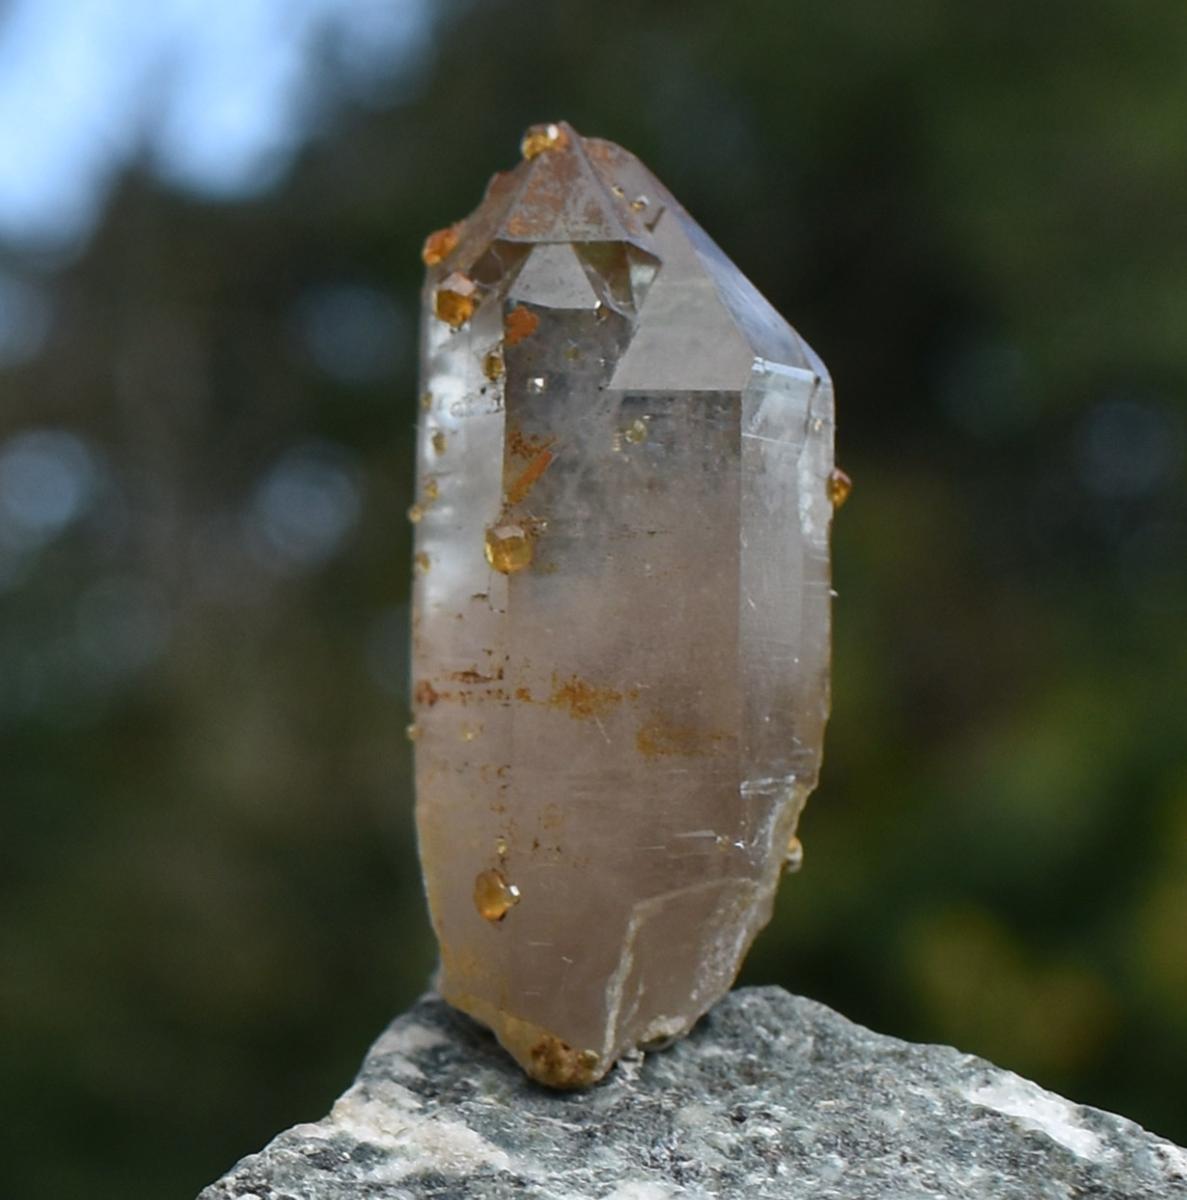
pixel 977 215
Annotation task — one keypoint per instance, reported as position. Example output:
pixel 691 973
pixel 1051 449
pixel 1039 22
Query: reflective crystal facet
pixel 621 613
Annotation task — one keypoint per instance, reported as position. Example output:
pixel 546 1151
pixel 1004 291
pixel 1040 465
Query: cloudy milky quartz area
pixel 621 607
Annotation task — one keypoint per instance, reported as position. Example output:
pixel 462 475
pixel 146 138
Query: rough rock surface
pixel 772 1096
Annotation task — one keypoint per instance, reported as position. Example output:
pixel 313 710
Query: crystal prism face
pixel 621 608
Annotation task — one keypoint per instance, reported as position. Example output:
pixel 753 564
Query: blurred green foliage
pixel 210 901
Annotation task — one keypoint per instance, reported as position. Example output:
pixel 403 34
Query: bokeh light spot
pixel 305 507
pixel 25 320
pixel 355 334
pixel 122 625
pixel 47 479
pixel 1128 448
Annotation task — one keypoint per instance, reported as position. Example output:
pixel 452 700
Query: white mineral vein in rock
pixel 1041 1111
pixel 621 609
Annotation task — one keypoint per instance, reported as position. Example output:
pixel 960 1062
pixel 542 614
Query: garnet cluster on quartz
pixel 621 607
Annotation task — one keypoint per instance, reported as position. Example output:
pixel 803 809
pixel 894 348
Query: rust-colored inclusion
pixel 519 323
pixel 579 698
pixel 439 245
pixel 528 477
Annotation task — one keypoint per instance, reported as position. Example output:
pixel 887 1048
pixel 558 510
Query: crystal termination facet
pixel 621 607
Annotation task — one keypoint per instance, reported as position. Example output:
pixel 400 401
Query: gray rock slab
pixel 771 1096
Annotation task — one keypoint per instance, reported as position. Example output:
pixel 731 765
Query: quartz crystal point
pixel 621 607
